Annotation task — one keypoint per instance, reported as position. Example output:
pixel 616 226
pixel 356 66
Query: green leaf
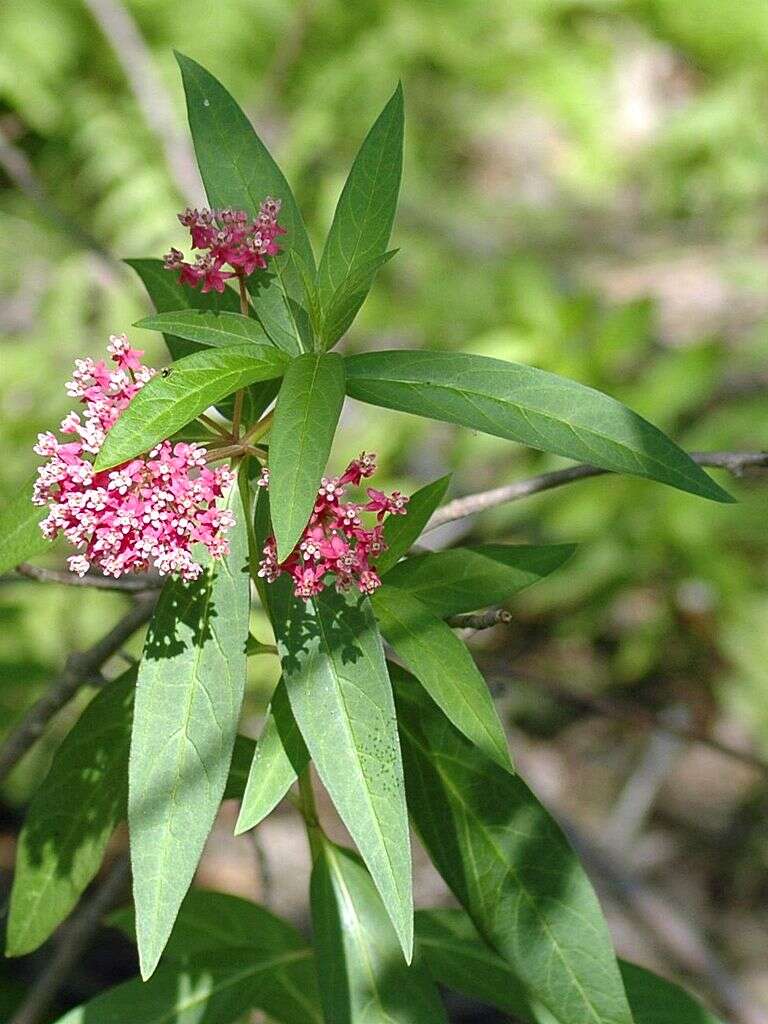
pixel 191 386
pixel 214 987
pixel 363 978
pixel 280 757
pixel 400 532
pixel 366 209
pixel 220 330
pixel 269 304
pixel 444 667
pixel 509 865
pixel 307 411
pixel 343 305
pixel 458 958
pixel 522 403
pixel 242 755
pixel 71 818
pixel 238 171
pixel 657 1001
pixel 168 295
pixel 463 579
pixel 215 920
pixel 336 677
pixel 188 699
pixel 20 536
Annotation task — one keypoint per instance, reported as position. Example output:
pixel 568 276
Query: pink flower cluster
pixel 335 542
pixel 146 512
pixel 228 237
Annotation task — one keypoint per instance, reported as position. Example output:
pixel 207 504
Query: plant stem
pixel 258 429
pixel 208 422
pixel 308 810
pixel 238 410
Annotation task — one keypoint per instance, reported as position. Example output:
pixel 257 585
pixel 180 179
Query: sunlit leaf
pixel 363 977
pixel 220 330
pixel 522 403
pixel 307 412
pixel 188 699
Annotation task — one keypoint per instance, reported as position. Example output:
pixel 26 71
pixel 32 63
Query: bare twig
pixel 73 941
pixel 127 584
pixel 623 710
pixel 131 50
pixel 736 463
pixel 480 620
pixel 80 668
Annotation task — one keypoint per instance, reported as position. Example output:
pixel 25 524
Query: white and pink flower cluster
pixel 335 542
pixel 227 237
pixel 145 513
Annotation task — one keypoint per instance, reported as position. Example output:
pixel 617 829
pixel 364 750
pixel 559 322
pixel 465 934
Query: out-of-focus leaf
pixel 509 865
pixel 20 536
pixel 220 330
pixel 188 698
pixel 214 987
pixel 336 678
pixel 238 171
pixel 364 215
pixel 402 531
pixel 189 387
pixel 363 977
pixel 307 412
pixel 522 403
pixel 71 817
pixel 444 667
pixel 280 757
pixel 463 579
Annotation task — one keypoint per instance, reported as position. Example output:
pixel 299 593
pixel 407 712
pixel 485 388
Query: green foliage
pixel 337 683
pixel 20 536
pixel 219 329
pixel 363 979
pixel 444 667
pixel 307 412
pixel 524 404
pixel 173 398
pixel 189 692
pixel 280 757
pixel 509 865
pixel 400 532
pixel 59 853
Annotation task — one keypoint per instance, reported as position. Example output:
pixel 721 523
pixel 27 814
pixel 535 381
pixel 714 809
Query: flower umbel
pixel 226 238
pixel 145 513
pixel 335 542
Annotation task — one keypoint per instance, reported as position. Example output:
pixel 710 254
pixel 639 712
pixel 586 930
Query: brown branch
pixel 128 584
pixel 81 668
pixel 480 620
pixel 736 463
pixel 132 52
pixel 73 940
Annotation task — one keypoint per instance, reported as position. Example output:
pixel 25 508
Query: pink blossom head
pixel 335 546
pixel 145 513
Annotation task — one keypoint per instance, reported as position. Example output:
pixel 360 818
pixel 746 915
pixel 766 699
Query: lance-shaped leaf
pixel 186 389
pixel 463 579
pixel 306 415
pixel 168 296
pixel 444 667
pixel 363 977
pixel 238 171
pixel 522 403
pixel 20 536
pixel 342 306
pixel 207 327
pixel 71 817
pixel 400 532
pixel 280 757
pixel 365 212
pixel 336 678
pixel 242 755
pixel 214 987
pixel 509 865
pixel 188 699
pixel 457 956
pixel 274 313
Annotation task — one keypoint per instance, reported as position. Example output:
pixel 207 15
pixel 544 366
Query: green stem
pixel 258 429
pixel 308 810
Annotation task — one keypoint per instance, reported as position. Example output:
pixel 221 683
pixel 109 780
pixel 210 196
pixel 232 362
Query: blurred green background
pixel 585 189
